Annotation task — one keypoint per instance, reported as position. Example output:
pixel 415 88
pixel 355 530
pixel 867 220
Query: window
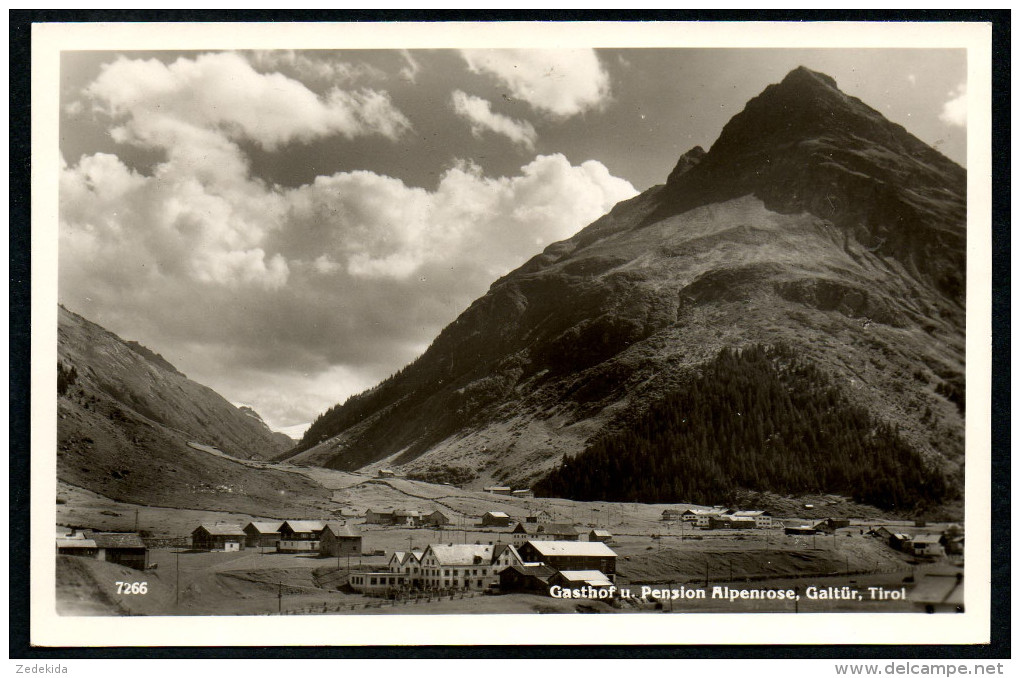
pixel 372 581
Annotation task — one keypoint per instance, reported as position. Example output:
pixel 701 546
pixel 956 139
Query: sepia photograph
pixel 427 326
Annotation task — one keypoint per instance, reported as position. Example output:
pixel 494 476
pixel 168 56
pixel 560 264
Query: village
pixel 521 554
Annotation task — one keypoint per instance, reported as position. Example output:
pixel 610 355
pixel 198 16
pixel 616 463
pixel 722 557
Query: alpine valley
pixel 784 317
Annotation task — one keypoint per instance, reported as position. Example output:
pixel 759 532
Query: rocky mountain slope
pixel 125 418
pixel 812 222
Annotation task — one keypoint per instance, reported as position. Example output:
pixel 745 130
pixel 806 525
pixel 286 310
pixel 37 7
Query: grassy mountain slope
pixel 124 424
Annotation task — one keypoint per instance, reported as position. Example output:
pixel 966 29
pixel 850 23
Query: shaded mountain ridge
pixel 812 222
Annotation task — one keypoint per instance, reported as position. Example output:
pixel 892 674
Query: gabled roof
pixel 749 514
pixel 498 550
pixel 927 539
pixel 222 530
pixel 592 577
pixel 384 512
pixel 497 514
pixel 573 548
pixel 341 530
pixel 407 514
pixel 75 543
pixel 265 526
pixel 704 512
pixel 403 556
pixel 304 525
pixel 461 554
pixel 601 533
pixel 542 572
pixel 118 540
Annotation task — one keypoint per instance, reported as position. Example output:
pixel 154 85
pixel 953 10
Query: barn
pixel 122 548
pixel 207 537
pixel 262 534
pixel 76 546
pixel 337 539
pixel 571 555
pixel 373 517
pixel 496 519
pixel 436 518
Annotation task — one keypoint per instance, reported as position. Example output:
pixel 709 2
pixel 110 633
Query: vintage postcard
pixel 359 334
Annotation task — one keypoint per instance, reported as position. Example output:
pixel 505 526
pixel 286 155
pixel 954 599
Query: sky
pixel 292 227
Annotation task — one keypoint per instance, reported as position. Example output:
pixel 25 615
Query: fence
pixel 340 608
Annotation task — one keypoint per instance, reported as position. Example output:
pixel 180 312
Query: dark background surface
pixel 20 341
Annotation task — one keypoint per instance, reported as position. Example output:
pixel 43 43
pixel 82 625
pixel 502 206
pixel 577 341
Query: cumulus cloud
pixel 288 298
pixel 479 113
pixel 954 111
pixel 223 93
pixel 559 82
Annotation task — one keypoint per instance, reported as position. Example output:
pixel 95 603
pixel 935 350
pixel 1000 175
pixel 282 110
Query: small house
pixel 762 519
pixel 675 514
pixel 701 517
pixel 407 518
pixel 262 534
pixel 523 532
pixel 538 517
pixel 436 519
pixel 523 494
pixel 900 541
pixel 300 536
pixel 76 545
pixel 338 539
pixel 575 579
pixel 838 523
pixel 525 578
pixel 373 517
pixel 927 546
pixel 499 489
pixel 386 473
pixel 495 519
pixel 122 548
pixel 604 536
pixel 218 537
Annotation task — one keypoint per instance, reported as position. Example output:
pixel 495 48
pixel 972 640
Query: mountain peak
pixel 803 146
pixel 803 76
